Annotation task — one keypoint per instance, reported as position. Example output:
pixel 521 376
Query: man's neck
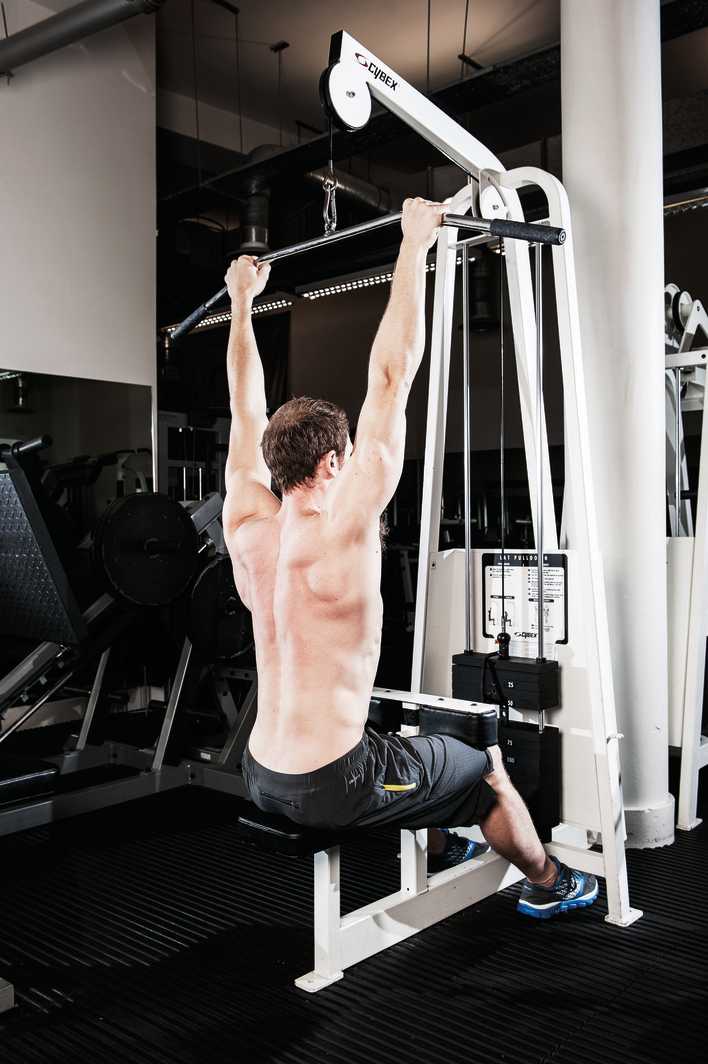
pixel 302 501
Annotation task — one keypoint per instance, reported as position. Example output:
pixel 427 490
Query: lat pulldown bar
pixel 535 234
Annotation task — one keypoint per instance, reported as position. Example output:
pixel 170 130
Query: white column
pixel 612 169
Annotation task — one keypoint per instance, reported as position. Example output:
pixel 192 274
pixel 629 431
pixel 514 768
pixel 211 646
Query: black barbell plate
pixel 147 548
pixel 219 625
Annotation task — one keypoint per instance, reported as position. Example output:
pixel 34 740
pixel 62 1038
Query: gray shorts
pixel 417 782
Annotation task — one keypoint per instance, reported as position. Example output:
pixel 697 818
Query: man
pixel 309 569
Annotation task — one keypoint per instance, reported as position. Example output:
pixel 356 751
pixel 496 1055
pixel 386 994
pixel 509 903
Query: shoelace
pixel 567 882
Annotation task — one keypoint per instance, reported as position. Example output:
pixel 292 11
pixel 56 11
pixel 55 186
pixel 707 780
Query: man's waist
pixel 315 775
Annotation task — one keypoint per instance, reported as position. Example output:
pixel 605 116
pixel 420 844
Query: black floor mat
pixel 151 933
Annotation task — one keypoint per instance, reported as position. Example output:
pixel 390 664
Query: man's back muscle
pixel 314 594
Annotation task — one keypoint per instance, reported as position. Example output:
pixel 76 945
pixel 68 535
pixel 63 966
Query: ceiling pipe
pixel 363 191
pixel 67 27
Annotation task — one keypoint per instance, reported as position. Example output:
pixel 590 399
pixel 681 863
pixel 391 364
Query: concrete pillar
pixel 612 169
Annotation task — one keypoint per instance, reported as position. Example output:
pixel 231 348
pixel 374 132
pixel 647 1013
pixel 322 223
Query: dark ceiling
pixel 511 103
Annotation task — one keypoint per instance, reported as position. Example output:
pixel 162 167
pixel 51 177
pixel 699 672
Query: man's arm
pixel 369 480
pixel 248 491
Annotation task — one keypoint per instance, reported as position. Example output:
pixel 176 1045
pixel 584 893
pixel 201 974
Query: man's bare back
pixel 309 567
pixel 316 605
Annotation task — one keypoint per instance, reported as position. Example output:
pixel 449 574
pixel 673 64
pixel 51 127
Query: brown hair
pixel 300 432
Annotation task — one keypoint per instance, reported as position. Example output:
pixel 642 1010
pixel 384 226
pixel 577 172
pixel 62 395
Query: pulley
pixel 345 95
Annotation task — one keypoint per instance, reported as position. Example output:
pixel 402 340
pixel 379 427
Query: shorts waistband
pixel 318 776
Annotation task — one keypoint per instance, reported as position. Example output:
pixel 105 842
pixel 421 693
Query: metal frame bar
pixel 466 440
pixel 498 197
pixel 36 706
pixel 46 809
pixel 694 745
pixel 476 160
pixel 172 703
pixel 697 357
pixel 538 286
pixel 93 699
pixel 422 901
pixel 418 698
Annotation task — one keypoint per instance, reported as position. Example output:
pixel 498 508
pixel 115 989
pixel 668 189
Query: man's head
pixel 306 441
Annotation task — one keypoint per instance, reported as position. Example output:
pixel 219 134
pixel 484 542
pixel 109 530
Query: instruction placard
pixel 512 592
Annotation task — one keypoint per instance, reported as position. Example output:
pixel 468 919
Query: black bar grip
pixel 190 321
pixel 39 443
pixel 193 319
pixel 535 234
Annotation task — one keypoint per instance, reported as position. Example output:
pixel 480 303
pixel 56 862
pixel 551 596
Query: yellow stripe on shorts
pixel 399 786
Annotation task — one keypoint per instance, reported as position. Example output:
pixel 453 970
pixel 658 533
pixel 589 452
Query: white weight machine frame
pixel 687 551
pixel 422 901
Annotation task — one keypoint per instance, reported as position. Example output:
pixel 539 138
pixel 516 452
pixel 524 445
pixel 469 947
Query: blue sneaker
pixel 571 890
pixel 457 850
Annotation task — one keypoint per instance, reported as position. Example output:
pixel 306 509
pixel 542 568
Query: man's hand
pixel 246 278
pixel 421 221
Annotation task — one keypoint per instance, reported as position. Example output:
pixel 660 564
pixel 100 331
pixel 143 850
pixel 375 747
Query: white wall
pixel 77 206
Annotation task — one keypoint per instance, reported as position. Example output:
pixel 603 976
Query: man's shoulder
pixel 253 533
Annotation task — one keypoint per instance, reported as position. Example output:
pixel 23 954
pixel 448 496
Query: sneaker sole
pixel 561 907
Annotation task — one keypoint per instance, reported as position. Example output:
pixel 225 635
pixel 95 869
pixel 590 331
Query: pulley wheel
pixel 147 548
pixel 345 96
pixel 681 309
pixel 219 624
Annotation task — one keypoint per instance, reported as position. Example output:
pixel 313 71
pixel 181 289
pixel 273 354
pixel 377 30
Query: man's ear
pixel 332 464
pixel 328 466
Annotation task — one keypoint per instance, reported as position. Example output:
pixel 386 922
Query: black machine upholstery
pixel 277 834
pixel 37 601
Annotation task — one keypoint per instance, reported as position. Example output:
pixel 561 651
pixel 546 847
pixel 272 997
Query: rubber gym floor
pixel 151 933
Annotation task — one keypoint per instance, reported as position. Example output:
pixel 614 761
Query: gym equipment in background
pixel 39 604
pixel 687 545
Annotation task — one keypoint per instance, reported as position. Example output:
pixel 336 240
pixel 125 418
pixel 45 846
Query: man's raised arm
pixel 396 354
pixel 247 476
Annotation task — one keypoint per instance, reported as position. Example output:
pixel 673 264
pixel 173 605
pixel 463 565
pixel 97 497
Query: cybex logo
pixel 376 71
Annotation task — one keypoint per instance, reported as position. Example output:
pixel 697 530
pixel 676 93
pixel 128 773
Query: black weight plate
pixel 147 548
pixel 219 625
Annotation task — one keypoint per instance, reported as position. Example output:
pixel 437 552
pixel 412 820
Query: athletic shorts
pixel 423 781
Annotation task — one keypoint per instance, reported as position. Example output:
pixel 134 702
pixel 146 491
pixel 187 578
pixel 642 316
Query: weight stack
pixel 533 761
pixel 532 757
pixel 525 683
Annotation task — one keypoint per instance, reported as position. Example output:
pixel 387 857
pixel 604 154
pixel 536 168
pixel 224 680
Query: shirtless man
pixel 309 569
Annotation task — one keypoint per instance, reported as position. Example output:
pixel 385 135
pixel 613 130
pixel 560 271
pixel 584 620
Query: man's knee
pixel 497 778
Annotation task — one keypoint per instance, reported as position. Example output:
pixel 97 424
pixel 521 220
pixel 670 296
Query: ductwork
pixel 363 191
pixel 255 220
pixel 67 27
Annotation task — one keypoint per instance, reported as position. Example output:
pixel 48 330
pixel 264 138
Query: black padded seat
pixel 24 777
pixel 277 834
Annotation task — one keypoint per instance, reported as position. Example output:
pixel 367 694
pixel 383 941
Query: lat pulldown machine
pixel 591 799
pixel 448 592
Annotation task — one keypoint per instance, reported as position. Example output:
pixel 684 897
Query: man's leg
pixel 436 841
pixel 509 830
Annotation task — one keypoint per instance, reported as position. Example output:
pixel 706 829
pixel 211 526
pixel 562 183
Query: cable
pixel 427 54
pixel 196 95
pixel 237 41
pixel 502 470
pixel 464 41
pixel 280 97
pixel 428 171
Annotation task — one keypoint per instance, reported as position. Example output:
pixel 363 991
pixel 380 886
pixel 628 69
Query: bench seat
pixel 277 834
